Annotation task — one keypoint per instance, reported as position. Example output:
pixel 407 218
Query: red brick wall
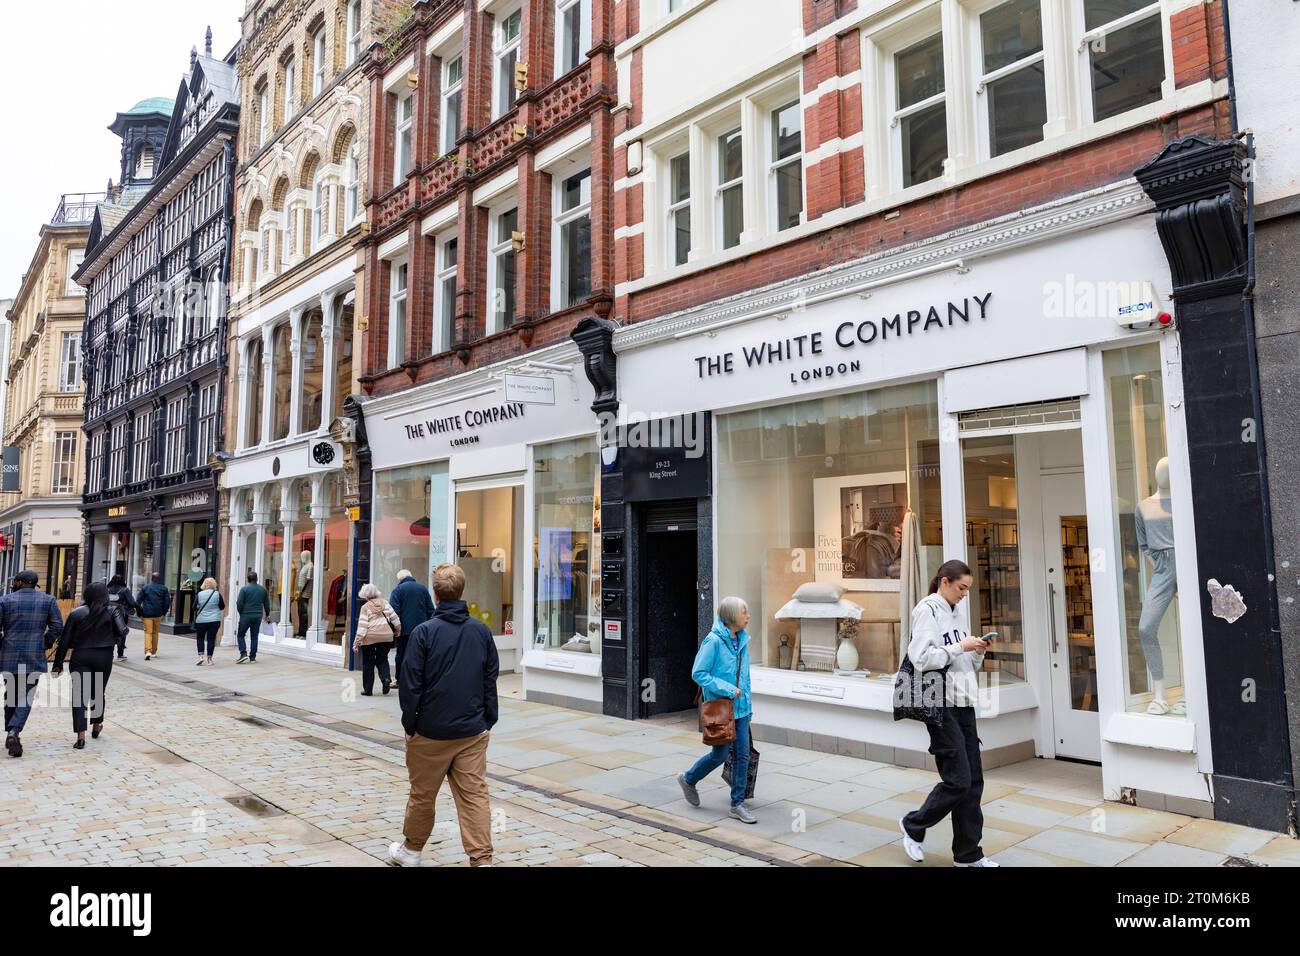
pixel 1087 167
pixel 535 324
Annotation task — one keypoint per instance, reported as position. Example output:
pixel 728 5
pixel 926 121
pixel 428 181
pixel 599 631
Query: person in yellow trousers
pixel 154 601
pixel 449 706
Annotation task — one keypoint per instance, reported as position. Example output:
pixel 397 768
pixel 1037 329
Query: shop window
pixel 448 257
pixel 282 380
pixel 731 188
pixel 679 209
pixel 566 549
pixel 409 526
pixel 302 562
pixel 1124 46
pixel 841 491
pixel 489 533
pixel 993 551
pixel 786 169
pixel 453 82
pixel 313 371
pixel 573 223
pixel 186 559
pixel 506 55
pixel 141 560
pixel 573 26
pixel 271 572
pixel 1012 88
pixel 920 116
pixel 1144 511
pixel 397 314
pixel 502 269
pixel 253 358
pixel 331 614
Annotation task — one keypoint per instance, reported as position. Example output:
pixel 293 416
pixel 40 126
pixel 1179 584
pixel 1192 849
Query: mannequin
pixel 305 570
pixel 1155 535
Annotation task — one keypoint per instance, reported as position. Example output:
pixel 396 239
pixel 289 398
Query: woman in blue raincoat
pixel 722 671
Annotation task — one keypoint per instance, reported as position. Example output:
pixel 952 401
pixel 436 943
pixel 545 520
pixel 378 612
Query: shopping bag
pixel 752 776
pixel 267 629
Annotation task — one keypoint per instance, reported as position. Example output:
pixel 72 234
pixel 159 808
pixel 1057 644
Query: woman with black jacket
pixel 90 634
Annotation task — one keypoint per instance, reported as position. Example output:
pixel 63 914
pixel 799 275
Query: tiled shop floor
pixel 285 763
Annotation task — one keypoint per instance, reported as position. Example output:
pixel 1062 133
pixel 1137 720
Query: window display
pixel 489 533
pixel 566 546
pixel 840 492
pixel 1145 527
pixel 993 551
pixel 410 523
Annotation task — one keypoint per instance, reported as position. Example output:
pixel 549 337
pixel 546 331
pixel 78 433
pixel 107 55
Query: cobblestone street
pixel 284 763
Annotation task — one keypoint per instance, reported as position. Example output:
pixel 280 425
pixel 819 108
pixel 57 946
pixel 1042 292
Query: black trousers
pixel 205 635
pixel 955 745
pixel 400 644
pixel 90 669
pixel 372 656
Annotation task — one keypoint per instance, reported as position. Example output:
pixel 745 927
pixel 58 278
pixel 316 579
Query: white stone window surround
pixel 752 114
pixel 1064 131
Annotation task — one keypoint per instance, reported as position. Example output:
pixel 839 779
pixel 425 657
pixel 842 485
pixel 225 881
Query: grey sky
pixel 67 69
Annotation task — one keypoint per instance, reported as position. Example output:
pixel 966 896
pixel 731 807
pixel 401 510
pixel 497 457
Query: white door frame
pixel 523 615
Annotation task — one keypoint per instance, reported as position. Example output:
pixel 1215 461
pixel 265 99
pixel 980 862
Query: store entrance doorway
pixel 1027 545
pixel 669 618
pixel 1072 644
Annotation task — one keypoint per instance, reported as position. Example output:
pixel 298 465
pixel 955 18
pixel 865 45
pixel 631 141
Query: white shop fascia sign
pixel 484 418
pixel 1043 298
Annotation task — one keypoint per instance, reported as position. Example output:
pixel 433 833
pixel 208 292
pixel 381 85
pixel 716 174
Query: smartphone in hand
pixel 990 637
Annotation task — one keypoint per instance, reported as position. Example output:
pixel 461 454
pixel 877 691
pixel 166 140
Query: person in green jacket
pixel 253 602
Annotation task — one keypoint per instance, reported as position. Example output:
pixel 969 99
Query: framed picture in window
pixel 859 522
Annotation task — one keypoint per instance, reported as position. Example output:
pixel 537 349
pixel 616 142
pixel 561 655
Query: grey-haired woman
pixel 377 628
pixel 722 671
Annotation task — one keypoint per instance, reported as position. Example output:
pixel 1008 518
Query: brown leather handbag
pixel 718 717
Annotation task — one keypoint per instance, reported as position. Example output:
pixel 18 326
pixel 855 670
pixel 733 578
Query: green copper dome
pixel 155 104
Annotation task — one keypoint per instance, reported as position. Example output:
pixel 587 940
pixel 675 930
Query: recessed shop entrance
pixel 669 617
pixel 489 548
pixel 1027 542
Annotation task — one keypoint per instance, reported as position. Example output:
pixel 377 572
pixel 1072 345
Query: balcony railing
pixel 77 209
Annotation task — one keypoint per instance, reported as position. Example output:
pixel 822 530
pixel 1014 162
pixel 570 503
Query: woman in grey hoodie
pixel 940 643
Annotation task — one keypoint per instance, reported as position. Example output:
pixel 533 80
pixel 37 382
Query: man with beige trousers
pixel 448 692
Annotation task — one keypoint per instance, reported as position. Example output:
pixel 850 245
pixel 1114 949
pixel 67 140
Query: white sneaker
pixel 400 855
pixel 982 861
pixel 915 851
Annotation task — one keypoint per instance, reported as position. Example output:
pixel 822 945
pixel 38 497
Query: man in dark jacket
pixel 411 600
pixel 123 605
pixel 154 601
pixel 30 623
pixel 449 704
pixel 252 602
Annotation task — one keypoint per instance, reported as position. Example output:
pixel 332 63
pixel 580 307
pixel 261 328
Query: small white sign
pixel 530 389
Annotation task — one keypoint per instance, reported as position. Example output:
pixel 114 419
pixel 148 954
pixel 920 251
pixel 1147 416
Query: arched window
pixel 320 213
pixel 253 423
pixel 343 354
pixel 313 371
pixel 282 391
